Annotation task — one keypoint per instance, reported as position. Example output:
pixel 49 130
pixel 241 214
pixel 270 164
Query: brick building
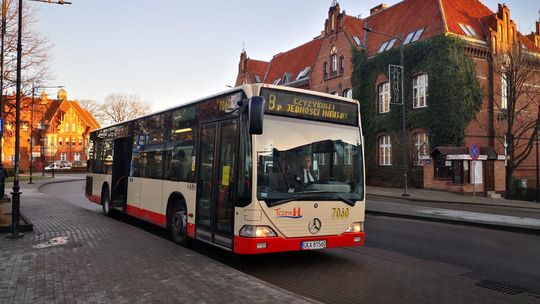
pixel 325 64
pixel 61 124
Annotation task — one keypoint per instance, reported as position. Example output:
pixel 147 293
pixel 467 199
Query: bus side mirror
pixel 256 115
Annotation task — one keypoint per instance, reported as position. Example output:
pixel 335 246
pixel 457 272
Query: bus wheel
pixel 178 222
pixel 106 201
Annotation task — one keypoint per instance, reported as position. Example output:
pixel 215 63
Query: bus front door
pixel 216 182
pixel 120 171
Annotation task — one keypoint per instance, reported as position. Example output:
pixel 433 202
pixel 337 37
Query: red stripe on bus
pixel 154 217
pixel 191 230
pixel 245 245
pixel 94 198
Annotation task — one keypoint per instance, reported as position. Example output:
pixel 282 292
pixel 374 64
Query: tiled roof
pixel 258 67
pixel 468 12
pixel 528 42
pixel 399 19
pixel 293 61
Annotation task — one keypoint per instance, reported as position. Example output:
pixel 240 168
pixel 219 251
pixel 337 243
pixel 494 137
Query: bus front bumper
pixel 246 245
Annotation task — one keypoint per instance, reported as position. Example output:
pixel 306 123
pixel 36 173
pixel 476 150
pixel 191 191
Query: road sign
pixel 474 151
pixel 1 125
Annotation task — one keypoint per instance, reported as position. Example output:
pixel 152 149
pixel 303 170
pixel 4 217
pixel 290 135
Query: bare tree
pixel 120 107
pixel 518 105
pixel 35 56
pixel 96 109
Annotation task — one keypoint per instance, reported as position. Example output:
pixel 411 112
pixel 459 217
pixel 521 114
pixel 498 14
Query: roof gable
pixel 293 61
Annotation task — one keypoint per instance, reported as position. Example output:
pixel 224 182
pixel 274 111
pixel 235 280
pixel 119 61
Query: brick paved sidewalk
pixel 108 261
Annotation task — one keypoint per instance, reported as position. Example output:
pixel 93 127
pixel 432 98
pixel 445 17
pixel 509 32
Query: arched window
pixel 504 91
pixel 333 61
pixel 421 146
pixel 385 151
pixel 347 93
pixel 420 88
pixel 383 100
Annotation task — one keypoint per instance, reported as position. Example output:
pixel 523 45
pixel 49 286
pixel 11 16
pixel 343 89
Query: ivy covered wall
pixel 454 97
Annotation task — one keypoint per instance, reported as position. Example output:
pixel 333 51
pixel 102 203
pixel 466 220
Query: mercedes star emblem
pixel 314 226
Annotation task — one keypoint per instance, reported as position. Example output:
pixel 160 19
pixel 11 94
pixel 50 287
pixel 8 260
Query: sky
pixel 169 52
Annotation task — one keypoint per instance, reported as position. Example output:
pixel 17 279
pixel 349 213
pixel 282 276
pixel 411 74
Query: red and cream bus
pixel 256 169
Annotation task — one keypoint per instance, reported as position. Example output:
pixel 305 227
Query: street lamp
pixel 16 201
pixel 402 65
pixel 34 87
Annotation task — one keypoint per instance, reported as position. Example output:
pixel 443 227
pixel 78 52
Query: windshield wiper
pixel 294 197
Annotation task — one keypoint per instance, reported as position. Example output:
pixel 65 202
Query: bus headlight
pixel 257 231
pixel 356 227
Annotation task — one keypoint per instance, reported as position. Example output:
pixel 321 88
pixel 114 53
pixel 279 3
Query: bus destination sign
pixel 285 103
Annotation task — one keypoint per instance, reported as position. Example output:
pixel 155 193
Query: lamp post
pixel 16 194
pixel 34 87
pixel 5 7
pixel 402 65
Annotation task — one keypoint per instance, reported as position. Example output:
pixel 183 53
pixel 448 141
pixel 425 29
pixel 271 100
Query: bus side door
pixel 217 181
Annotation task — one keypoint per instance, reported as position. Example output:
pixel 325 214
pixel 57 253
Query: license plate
pixel 309 245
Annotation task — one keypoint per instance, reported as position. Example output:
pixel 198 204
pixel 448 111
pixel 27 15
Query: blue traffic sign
pixel 474 151
pixel 1 125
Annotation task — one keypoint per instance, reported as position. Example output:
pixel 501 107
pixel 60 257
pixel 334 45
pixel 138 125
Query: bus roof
pixel 249 89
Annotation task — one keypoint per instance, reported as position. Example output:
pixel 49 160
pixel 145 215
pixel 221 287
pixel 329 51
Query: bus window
pixel 180 147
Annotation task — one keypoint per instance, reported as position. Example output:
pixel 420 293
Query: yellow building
pixel 51 130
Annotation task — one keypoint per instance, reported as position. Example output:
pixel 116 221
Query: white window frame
pixel 420 89
pixel 347 93
pixel 77 156
pixel 383 97
pixel 63 156
pixel 504 92
pixel 385 150
pixel 421 142
pixel 334 63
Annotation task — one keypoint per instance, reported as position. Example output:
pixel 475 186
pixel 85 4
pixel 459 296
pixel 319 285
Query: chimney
pixel 378 8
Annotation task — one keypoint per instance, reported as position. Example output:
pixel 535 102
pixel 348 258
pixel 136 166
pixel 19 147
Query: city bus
pixel 256 169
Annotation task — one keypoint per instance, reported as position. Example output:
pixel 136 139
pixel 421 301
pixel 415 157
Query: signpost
pixel 474 152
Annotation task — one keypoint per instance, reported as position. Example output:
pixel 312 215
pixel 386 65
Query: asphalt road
pixel 404 261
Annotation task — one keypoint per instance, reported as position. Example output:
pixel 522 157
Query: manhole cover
pixel 499 287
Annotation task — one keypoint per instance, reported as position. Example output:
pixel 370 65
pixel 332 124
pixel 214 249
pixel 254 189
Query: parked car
pixel 58 166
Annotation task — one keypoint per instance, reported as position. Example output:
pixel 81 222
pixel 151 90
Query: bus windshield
pixel 304 160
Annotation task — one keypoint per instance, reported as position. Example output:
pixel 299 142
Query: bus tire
pixel 178 227
pixel 106 201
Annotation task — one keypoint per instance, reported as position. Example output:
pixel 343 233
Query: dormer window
pixel 387 45
pixel 257 79
pixel 413 36
pixel 469 31
pixel 277 81
pixel 303 73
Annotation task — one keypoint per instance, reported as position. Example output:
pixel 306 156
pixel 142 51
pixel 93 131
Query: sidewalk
pixel 77 255
pixel 437 210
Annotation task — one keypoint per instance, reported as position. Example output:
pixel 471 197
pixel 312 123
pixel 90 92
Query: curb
pixel 450 202
pixel 58 182
pixel 534 231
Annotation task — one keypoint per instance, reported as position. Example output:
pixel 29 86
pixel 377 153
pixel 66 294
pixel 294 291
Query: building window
pixel 73 142
pixel 385 151
pixel 443 168
pixel 67 141
pixel 384 97
pixel 59 141
pixel 63 156
pixel 73 127
pixel 334 64
pixel 77 157
pixel 80 141
pixel 341 64
pixel 504 92
pixel 347 93
pixel 421 147
pixel 420 87
pixel 67 127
